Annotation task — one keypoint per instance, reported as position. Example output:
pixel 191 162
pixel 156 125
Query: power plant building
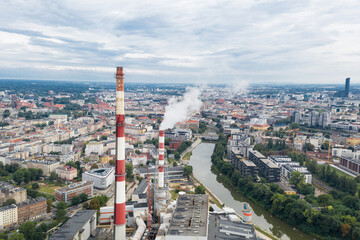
pixel 80 226
pixel 190 219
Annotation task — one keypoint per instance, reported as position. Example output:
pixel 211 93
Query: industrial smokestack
pixel 119 208
pixel 161 159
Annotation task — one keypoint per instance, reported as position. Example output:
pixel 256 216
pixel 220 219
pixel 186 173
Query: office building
pixel 346 92
pixel 101 178
pixel 66 194
pixel 80 226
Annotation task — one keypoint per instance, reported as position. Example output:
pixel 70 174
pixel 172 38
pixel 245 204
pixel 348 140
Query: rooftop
pixel 101 172
pixel 222 227
pixel 190 217
pixel 73 225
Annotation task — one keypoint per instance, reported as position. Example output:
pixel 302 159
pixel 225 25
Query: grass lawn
pixel 341 173
pixel 187 156
pixel 174 195
pixel 49 189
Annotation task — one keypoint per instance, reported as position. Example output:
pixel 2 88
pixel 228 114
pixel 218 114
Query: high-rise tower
pixel 119 208
pixel 347 87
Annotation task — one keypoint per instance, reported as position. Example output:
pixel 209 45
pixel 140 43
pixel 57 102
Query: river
pixel 200 160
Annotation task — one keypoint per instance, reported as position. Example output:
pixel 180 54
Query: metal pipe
pixel 119 207
pixel 140 230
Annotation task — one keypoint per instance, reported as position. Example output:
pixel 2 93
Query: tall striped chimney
pixel 119 208
pixel 161 159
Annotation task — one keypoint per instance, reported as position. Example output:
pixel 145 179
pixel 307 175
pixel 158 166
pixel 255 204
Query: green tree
pixel 129 171
pixel 94 166
pixel 177 156
pixel 86 205
pixel 83 197
pixel 112 162
pixel 49 203
pixel 188 171
pixel 75 200
pixel 94 204
pixel 18 176
pixel 60 211
pixel 6 113
pixel 28 230
pixel 35 186
pixel 297 178
pixel 325 199
pixel 9 202
pixel 17 236
pixel 53 176
pixel 199 189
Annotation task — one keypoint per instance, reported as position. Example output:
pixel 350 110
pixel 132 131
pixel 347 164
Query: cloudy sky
pixel 196 41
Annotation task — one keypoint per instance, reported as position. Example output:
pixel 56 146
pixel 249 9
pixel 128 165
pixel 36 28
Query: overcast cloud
pixel 181 41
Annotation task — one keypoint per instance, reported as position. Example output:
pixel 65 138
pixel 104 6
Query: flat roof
pixel 269 163
pixel 221 227
pixel 73 225
pixel 101 172
pixel 249 163
pixel 191 216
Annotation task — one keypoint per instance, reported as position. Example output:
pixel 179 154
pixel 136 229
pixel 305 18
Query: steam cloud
pixel 178 111
pixel 239 88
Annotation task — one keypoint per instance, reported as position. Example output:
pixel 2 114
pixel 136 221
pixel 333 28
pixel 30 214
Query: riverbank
pixel 201 162
pixel 262 233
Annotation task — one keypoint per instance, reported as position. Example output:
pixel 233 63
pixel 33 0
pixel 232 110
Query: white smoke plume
pixel 238 88
pixel 181 110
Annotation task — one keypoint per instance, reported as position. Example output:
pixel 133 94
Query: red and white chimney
pixel 119 207
pixel 161 159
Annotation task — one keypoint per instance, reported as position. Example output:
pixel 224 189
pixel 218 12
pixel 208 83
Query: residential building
pixel 9 191
pixel 32 209
pixel 46 166
pixel 314 118
pixel 248 168
pixel 286 171
pixel 94 147
pixel 324 120
pixel 8 216
pixel 295 117
pixel 80 227
pixel 101 178
pixel 351 164
pixel 67 193
pixel 66 172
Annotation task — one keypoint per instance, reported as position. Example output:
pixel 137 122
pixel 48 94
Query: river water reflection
pixel 201 162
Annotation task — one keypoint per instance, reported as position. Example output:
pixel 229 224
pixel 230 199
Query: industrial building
pixel 101 178
pixel 66 194
pixel 223 226
pixel 190 219
pixel 171 172
pixel 179 134
pixel 80 226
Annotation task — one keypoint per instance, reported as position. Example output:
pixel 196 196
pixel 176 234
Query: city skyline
pixel 182 42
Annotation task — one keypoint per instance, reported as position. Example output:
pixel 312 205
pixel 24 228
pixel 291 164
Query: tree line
pixel 329 216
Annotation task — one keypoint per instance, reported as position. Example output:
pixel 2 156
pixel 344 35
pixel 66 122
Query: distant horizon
pixel 179 83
